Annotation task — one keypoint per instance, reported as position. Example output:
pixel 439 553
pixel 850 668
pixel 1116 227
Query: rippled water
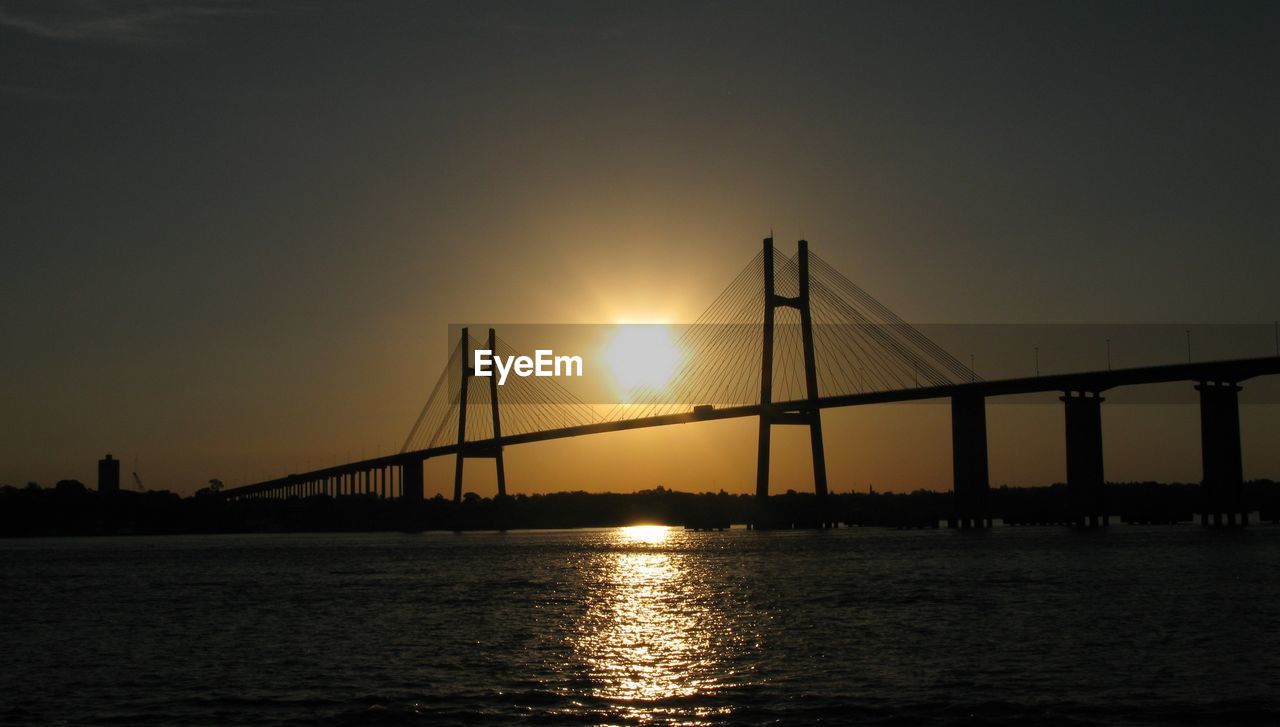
pixel 640 625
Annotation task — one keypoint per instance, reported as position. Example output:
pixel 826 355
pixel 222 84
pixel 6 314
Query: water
pixel 645 625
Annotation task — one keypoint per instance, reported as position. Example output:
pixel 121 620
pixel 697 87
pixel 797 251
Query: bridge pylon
pixel 482 451
pixel 808 413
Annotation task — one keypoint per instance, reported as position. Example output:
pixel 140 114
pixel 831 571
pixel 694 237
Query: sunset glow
pixel 642 357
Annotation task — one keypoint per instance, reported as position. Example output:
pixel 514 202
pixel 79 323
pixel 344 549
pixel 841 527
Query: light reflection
pixel 647 636
pixel 651 534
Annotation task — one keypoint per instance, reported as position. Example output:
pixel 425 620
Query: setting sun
pixel 642 356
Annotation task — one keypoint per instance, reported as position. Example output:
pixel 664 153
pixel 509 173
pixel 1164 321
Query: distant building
pixel 108 475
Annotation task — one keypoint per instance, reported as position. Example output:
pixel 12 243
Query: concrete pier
pixel 1223 481
pixel 969 462
pixel 1085 475
pixel 411 481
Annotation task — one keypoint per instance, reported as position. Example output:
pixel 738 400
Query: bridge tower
pixel 487 451
pixel 809 414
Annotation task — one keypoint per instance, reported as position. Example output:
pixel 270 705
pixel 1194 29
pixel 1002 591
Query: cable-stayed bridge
pixel 789 337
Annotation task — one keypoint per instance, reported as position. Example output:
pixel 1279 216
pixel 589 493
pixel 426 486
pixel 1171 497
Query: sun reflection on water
pixel 646 636
pixel 644 534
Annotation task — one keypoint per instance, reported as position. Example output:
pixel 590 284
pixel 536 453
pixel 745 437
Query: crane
pixel 137 481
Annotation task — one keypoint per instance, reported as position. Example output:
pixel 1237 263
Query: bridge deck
pixel 1235 370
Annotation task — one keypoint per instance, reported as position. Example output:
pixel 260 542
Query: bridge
pixel 789 338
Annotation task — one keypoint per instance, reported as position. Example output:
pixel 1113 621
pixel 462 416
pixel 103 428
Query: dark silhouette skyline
pixel 72 509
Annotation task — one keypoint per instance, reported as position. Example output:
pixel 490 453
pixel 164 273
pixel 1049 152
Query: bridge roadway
pixel 1228 371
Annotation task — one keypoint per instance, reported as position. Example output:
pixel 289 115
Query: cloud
pixel 111 21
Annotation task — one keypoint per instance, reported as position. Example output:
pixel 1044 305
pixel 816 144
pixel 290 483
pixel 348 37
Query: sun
pixel 642 356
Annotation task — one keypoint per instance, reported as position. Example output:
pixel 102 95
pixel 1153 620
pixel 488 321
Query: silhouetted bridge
pixel 845 349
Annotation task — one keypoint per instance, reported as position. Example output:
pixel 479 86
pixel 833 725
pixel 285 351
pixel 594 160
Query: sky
pixel 235 233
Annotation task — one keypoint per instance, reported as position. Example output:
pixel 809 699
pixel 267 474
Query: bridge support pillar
pixel 969 462
pixel 1223 483
pixel 1085 475
pixel 411 481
